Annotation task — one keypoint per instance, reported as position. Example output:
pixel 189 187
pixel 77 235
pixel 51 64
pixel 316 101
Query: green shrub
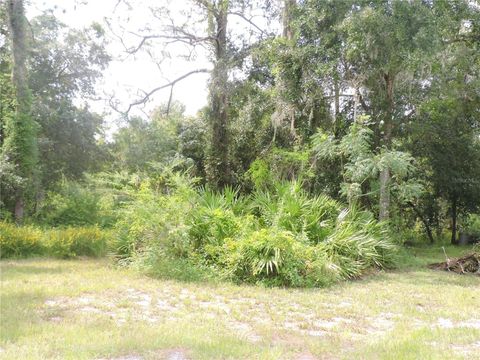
pixel 24 241
pixel 277 166
pixel 72 205
pixel 80 241
pixel 19 241
pixel 267 255
pixel 320 269
pixel 156 222
pixel 280 237
pixel 358 242
pixel 290 208
pixel 140 222
pixel 212 226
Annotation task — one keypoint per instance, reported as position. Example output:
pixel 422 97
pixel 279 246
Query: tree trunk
pixel 336 119
pixel 287 16
pixel 20 142
pixel 428 230
pixel 284 109
pixel 19 209
pixel 384 213
pixel 219 170
pixel 288 35
pixel 454 221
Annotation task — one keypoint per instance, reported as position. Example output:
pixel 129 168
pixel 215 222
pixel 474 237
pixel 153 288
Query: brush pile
pixel 469 263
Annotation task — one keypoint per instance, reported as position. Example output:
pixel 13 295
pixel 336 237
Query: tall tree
pixel 385 50
pixel 285 107
pixel 205 26
pixel 20 131
pixel 64 67
pixel 218 167
pixel 446 133
pixel 448 137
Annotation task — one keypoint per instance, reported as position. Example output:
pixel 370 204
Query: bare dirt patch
pixel 467 350
pixel 174 354
pixel 305 356
pixel 241 315
pixel 450 324
pixel 125 357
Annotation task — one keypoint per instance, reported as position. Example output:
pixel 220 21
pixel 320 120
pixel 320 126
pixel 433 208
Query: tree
pixel 323 45
pixel 362 165
pixel 285 106
pixel 449 140
pixel 218 167
pixel 64 67
pixel 383 61
pixel 205 26
pixel 143 142
pixel 446 131
pixel 20 130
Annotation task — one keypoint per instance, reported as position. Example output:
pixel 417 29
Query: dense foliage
pixel 63 243
pixel 322 149
pixel 280 237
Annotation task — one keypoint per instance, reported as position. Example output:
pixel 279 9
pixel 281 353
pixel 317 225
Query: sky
pixel 126 75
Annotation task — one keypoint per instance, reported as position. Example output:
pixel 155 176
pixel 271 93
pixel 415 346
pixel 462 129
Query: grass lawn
pixel 89 309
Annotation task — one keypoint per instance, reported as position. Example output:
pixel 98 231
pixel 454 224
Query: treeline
pixel 45 134
pixel 374 104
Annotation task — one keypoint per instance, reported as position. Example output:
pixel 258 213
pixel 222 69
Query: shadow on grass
pixel 421 277
pixel 21 269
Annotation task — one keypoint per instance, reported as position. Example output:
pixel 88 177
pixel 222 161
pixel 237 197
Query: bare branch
pixel 242 16
pixel 147 95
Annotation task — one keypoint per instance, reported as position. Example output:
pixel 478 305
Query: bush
pixel 140 222
pixel 94 201
pixel 281 237
pixel 19 241
pixel 267 255
pixel 24 241
pixel 71 242
pixel 212 226
pixel 473 226
pixel 358 242
pixel 156 221
pixel 73 205
pixel 289 207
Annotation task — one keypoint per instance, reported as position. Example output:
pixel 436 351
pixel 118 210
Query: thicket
pixel 282 236
pixel 166 223
pixel 25 241
pixel 281 178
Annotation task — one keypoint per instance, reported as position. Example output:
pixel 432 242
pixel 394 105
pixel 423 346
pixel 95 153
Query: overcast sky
pixel 125 76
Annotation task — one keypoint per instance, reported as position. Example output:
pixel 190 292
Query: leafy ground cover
pixel 89 309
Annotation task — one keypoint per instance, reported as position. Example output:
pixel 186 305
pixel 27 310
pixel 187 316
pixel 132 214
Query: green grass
pixel 89 309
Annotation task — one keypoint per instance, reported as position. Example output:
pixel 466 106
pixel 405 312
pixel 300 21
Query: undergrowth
pixel 27 241
pixel 281 236
pixel 168 226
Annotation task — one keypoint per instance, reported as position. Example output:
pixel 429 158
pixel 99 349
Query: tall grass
pixel 26 241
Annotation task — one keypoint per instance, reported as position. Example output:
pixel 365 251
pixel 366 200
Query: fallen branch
pixel 469 263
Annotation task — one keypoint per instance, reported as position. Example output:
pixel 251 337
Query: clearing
pixel 89 309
